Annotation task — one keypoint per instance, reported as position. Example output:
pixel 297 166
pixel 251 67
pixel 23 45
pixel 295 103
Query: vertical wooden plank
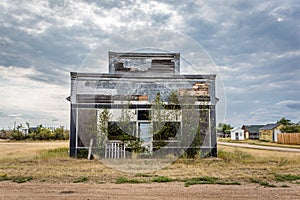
pixel 90 150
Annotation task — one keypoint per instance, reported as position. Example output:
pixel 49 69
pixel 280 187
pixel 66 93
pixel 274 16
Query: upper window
pixel 143 114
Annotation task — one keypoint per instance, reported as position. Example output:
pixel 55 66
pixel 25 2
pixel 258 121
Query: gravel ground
pixel 176 190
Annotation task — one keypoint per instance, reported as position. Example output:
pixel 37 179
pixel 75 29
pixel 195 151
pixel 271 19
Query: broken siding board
pixel 144 62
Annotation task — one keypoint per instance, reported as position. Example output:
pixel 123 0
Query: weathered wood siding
pixel 266 135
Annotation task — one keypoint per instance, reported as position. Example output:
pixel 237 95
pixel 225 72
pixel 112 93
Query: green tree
pixel 284 121
pixel 224 128
pixel 103 119
pixel 128 131
pixel 290 129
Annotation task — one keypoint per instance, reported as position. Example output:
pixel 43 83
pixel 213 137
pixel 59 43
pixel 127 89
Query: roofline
pixel 253 124
pixel 75 75
pixel 275 125
pixel 138 55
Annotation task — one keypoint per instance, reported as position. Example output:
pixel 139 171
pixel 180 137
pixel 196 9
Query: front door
pixel 237 136
pixel 275 135
pixel 145 135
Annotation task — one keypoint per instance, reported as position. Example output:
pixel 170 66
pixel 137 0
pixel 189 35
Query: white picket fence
pixel 115 150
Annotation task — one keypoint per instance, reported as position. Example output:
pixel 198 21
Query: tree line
pixel 36 133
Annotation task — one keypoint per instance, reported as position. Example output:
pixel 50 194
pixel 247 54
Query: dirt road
pixel 260 147
pixel 32 190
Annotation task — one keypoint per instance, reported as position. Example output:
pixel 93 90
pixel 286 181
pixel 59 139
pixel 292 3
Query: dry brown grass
pixel 235 164
pixel 15 150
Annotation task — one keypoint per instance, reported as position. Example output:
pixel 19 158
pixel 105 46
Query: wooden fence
pixel 288 138
pixel 115 150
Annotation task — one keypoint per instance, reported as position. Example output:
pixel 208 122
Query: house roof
pixel 269 127
pixel 236 129
pixel 252 128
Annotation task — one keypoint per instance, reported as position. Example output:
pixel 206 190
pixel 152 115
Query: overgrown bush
pixel 17 135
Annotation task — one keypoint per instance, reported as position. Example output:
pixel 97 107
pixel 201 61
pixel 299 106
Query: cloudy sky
pixel 255 46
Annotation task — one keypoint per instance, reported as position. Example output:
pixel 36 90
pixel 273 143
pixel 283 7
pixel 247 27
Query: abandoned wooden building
pixel 143 105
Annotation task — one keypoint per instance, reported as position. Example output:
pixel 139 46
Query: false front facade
pixel 143 105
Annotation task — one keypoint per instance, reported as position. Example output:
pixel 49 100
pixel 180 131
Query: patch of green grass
pixel 4 177
pixel 82 153
pixel 21 179
pixel 121 180
pixel 200 180
pixel 162 179
pixel 81 179
pixel 282 162
pixel 234 156
pixel 207 180
pixel 53 153
pixel 266 184
pixel 203 179
pixel 286 177
pixel 262 183
pixel 228 183
pixel 252 180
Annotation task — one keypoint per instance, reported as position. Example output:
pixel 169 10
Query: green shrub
pixel 4 177
pixel 266 184
pixel 228 183
pixel 82 153
pixel 207 180
pixel 286 177
pixel 17 135
pixel 81 179
pixel 252 180
pixel 125 180
pixel 21 179
pixel 200 180
pixel 162 179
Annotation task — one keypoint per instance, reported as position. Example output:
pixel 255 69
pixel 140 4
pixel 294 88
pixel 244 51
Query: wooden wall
pixel 288 138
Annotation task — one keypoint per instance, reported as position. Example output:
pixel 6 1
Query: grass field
pixel 49 162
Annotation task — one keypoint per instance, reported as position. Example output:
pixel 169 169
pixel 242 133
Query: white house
pixel 237 134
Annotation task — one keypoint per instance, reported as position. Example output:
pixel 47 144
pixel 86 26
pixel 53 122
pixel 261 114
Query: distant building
pixel 142 91
pixel 237 134
pixel 252 131
pixel 269 132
